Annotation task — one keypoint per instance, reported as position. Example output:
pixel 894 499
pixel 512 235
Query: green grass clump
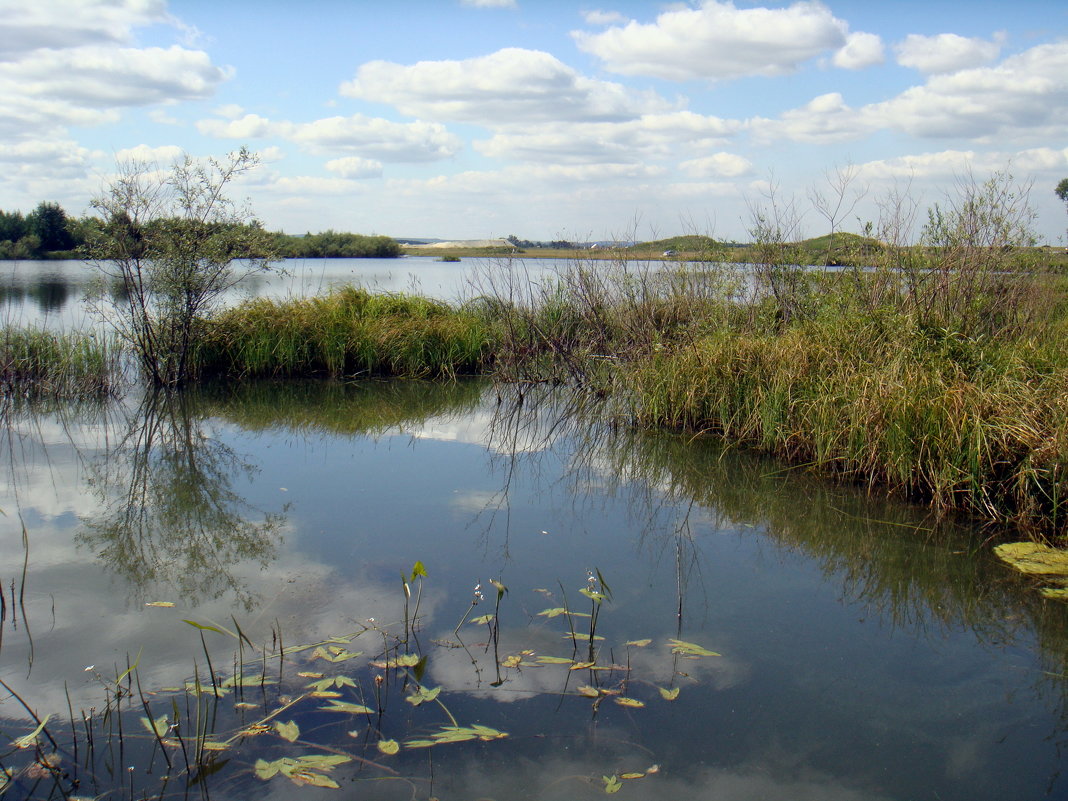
pixel 975 425
pixel 347 333
pixel 44 363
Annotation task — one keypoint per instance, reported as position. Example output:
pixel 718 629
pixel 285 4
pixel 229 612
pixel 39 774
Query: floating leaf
pixel 422 696
pixel 31 738
pixel 310 777
pixel 513 661
pixel 266 770
pixel 482 620
pixel 211 745
pixel 611 784
pixel 631 702
pixel 287 731
pixel 588 691
pixel 554 660
pixel 404 660
pixel 669 695
pixel 344 706
pixel 638 643
pixel 457 734
pixel 309 674
pixel 632 775
pixel 334 654
pixel 166 604
pixel 246 681
pixel 582 665
pixel 690 649
pixel 388 746
pixel 580 636
pixel 556 611
pixel 158 727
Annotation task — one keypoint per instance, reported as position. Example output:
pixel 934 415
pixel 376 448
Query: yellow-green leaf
pixel 669 695
pixel 287 731
pixel 689 649
pixel 632 702
pixel 589 692
pixel 157 727
pixel 611 784
pixel 638 643
pixel 388 746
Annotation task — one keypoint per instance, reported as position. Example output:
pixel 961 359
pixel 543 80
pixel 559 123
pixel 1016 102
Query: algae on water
pixel 1037 559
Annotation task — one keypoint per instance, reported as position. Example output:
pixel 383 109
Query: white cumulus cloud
pixel 718 41
pixel 718 165
pixel 510 86
pixel 355 167
pixel 861 50
pixel 946 52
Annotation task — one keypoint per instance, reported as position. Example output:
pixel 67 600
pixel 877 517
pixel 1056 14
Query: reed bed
pixel 965 424
pixel 349 332
pixel 43 363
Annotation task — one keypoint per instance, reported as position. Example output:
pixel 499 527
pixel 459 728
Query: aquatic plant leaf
pixel 597 597
pixel 481 620
pixel 334 654
pixel 266 770
pixel 287 731
pixel 345 706
pixel 166 604
pixel 324 694
pixel 669 695
pixel 554 660
pixel 631 702
pixel 513 661
pixel 611 784
pixel 588 691
pixel 690 649
pixel 486 733
pixel 309 674
pixel 206 627
pixel 422 695
pixel 556 611
pixel 578 635
pixel 418 569
pixel 310 777
pixel 323 761
pixel 388 746
pixel 632 775
pixel 638 643
pixel 31 738
pixel 158 727
pixel 246 681
pixel 211 745
pixel 419 743
pixel 501 589
pixel 582 665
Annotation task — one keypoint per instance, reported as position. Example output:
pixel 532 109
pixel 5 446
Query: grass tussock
pixel 965 424
pixel 41 363
pixel 349 332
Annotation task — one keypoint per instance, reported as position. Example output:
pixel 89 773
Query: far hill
pixel 691 243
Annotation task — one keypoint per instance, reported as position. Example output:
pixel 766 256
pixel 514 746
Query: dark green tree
pixel 49 222
pixel 12 226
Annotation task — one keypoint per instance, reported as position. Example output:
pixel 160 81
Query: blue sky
pixel 483 118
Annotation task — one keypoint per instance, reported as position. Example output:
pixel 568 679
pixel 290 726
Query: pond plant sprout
pixel 314 726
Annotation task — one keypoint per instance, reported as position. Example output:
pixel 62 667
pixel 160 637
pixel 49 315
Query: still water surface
pixel 52 293
pixel 863 652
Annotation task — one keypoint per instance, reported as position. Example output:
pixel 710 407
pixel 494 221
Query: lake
pixel 252 586
pixel 52 293
pixel 765 634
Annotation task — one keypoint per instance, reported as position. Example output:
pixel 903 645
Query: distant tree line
pixel 48 232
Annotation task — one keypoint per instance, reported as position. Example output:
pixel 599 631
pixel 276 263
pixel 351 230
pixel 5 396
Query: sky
pixel 547 120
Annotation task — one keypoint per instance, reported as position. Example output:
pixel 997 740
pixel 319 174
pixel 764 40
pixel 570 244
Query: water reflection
pixel 868 652
pixel 171 523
